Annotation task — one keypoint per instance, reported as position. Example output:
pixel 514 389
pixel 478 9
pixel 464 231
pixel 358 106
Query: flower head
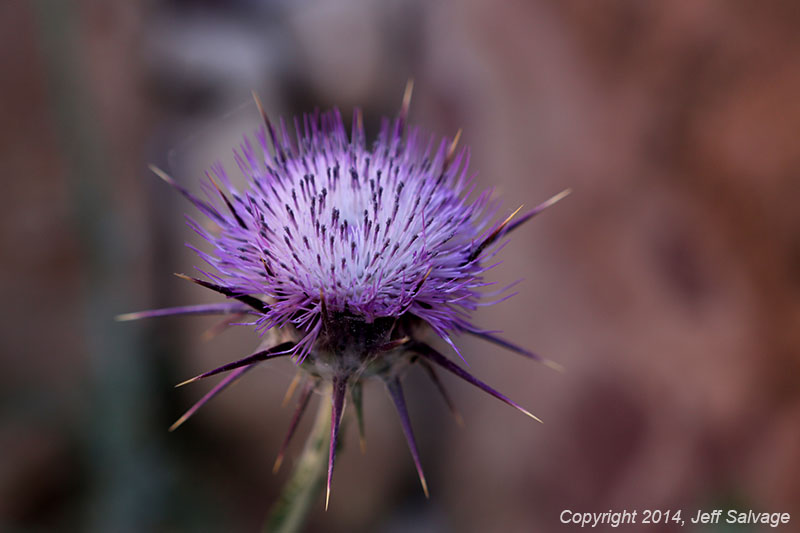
pixel 352 251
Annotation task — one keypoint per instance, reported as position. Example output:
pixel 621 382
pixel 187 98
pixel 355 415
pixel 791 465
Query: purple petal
pixel 357 396
pixel 402 115
pixel 396 392
pixel 228 203
pixel 507 226
pixel 219 387
pixel 440 386
pixel 339 389
pixel 514 348
pixel 272 134
pixel 252 301
pixel 204 207
pixel 427 351
pixel 536 210
pixel 223 308
pixel 305 395
pixel 223 325
pixel 276 351
pixel 498 232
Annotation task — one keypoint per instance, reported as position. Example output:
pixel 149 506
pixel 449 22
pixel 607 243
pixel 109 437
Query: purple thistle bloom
pixel 351 252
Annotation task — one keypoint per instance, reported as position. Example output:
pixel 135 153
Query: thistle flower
pixel 352 253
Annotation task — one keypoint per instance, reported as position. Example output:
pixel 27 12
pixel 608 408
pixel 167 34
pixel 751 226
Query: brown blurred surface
pixel 668 284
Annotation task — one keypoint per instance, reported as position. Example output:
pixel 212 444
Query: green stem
pixel 308 479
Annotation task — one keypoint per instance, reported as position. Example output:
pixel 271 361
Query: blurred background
pixel 668 284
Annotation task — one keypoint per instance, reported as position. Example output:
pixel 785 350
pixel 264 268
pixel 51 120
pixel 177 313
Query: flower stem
pixel 305 485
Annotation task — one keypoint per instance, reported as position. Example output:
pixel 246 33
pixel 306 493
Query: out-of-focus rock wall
pixel 667 284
